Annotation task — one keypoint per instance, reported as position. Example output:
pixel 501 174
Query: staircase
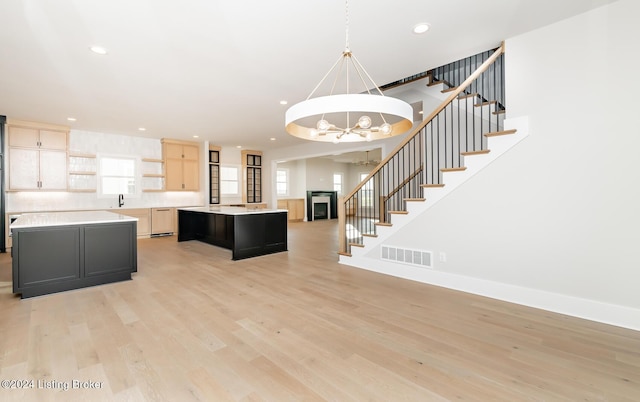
pixel 465 133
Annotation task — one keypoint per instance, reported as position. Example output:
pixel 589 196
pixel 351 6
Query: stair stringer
pixel 498 145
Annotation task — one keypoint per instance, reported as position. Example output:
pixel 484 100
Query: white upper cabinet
pixel 37 156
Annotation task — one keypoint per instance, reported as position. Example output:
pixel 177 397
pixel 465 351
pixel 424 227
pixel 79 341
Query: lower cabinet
pixel 144 218
pixel 54 259
pixel 162 221
pixel 294 206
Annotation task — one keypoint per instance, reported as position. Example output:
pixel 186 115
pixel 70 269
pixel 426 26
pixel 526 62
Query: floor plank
pixel 193 325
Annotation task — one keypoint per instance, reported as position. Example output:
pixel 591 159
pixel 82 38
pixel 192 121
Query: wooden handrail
pixel 431 116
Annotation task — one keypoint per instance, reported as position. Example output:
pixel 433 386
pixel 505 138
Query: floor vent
pixel 421 258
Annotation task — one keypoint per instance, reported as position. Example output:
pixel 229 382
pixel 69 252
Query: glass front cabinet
pixel 214 174
pixel 252 161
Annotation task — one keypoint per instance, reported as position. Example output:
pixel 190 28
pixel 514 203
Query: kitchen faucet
pixel 120 200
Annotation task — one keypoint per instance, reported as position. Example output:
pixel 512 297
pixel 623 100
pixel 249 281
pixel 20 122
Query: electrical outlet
pixel 443 256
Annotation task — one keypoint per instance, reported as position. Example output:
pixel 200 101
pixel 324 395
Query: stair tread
pixel 501 111
pixel 415 199
pixel 344 254
pixel 383 224
pixel 444 91
pixel 399 212
pixel 369 235
pixel 432 185
pixel 479 152
pixel 487 103
pixel 456 169
pixel 497 133
pixel 467 96
pixel 356 245
pixel 434 83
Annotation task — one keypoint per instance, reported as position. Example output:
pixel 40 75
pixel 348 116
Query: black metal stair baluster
pixel 430 156
pixel 459 138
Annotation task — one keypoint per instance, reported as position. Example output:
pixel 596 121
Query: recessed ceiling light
pixel 98 50
pixel 421 112
pixel 142 129
pixel 196 136
pixel 238 146
pixel 283 102
pixel 71 118
pixel 421 28
pixel 272 138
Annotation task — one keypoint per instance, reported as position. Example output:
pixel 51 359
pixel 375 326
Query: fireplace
pixel 322 205
pixel 320 208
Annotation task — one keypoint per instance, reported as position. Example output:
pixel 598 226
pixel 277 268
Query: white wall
pixel 558 213
pixel 320 173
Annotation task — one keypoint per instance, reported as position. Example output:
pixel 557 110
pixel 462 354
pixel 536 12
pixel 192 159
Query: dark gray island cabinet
pixel 60 251
pixel 246 232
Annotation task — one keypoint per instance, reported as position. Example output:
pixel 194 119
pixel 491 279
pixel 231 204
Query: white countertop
pixel 30 220
pixel 233 210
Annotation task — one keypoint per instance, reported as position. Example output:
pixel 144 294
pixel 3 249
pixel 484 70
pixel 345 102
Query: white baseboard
pixel 611 314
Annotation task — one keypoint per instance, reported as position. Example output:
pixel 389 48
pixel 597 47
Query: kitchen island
pixel 58 251
pixel 246 232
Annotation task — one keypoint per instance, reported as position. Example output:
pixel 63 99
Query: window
pixel 229 180
pixel 282 182
pixel 337 183
pixel 367 191
pixel 117 175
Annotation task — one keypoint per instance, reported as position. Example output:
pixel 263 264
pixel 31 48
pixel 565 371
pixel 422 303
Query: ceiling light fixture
pixel 366 162
pixel 98 50
pixel 332 113
pixel 421 28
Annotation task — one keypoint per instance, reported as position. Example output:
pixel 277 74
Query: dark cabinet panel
pixel 248 235
pixel 100 242
pixel 58 258
pixel 47 256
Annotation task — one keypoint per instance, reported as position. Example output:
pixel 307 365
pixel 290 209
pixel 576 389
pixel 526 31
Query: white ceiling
pixel 218 69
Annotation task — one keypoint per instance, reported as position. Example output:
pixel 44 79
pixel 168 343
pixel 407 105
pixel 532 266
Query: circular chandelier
pixel 329 118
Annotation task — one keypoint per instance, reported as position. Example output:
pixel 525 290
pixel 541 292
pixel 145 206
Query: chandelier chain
pixel 346 23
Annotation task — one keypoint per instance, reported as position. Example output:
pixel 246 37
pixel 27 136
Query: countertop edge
pixel 50 219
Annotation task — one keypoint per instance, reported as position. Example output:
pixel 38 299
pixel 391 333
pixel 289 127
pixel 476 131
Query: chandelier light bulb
pixel 364 122
pixel 313 133
pixel 323 126
pixel 386 129
pixel 368 136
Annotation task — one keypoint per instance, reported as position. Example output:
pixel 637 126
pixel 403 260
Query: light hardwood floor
pixel 194 325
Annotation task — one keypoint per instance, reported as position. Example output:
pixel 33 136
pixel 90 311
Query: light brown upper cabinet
pixel 37 156
pixel 181 165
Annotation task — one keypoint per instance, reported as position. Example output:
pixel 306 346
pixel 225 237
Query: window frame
pixel 239 181
pixel 137 175
pixel 341 175
pixel 286 182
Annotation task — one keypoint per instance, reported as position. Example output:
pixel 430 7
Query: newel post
pixel 342 230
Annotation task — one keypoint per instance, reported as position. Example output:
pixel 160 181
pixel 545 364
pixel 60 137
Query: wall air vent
pixel 421 258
